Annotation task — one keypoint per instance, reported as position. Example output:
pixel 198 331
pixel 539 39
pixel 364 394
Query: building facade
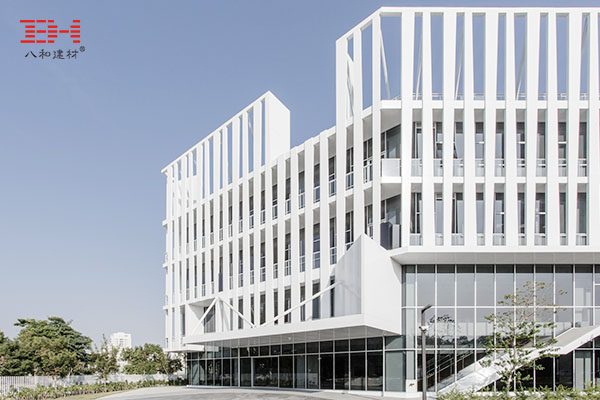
pixel 120 340
pixel 464 163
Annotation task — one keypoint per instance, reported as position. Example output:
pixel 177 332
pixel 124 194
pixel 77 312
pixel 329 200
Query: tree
pixel 12 361
pixel 517 340
pixel 51 347
pixel 105 360
pixel 149 359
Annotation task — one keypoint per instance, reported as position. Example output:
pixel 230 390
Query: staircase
pixel 475 377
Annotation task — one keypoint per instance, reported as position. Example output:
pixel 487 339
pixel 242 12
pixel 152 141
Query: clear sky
pixel 82 142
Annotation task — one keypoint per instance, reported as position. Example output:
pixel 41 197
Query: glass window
pixel 564 285
pixel 312 371
pixel 485 285
pixel 524 276
pixel 543 276
pixel 395 362
pixel 342 371
pixel 357 371
pixel 312 347
pixel 564 320
pixel 483 328
pixel 326 369
pixel 375 343
pixel 564 370
pixel 465 327
pixel 342 345
pixel 375 370
pixel 425 285
pixel 465 283
pixel 286 371
pixel 300 375
pixel 504 282
pixel 326 347
pixel 445 285
pixel 357 344
pixel 408 277
pixel 445 323
pixel 583 285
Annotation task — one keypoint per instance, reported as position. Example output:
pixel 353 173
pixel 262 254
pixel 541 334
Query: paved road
pixel 183 393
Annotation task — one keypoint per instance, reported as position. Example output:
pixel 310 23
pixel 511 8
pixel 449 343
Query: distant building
pixel 120 340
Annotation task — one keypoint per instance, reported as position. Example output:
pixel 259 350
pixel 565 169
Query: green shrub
pixel 560 393
pixel 44 392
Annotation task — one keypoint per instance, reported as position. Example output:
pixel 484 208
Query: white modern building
pixel 120 340
pixel 464 162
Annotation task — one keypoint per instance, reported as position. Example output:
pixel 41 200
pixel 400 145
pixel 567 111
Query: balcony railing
pixel 416 239
pixel 287 268
pixel 368 172
pixel 479 167
pixel 332 256
pixel 275 271
pixel 458 167
pixel 562 167
pixel 302 263
pixel 499 239
pixel 251 276
pixel 522 239
pixel 521 167
pixel 288 206
pixel 581 239
pixel 582 167
pixel 301 200
pixel 317 194
pixel 563 239
pixel 438 167
pixel 499 167
pixel 316 259
pixel 203 289
pixel 349 180
pixel 540 167
pixel 370 230
pixel 230 230
pixel 391 167
pixel 540 239
pixel 212 238
pixel 416 168
pixel 263 216
pixel 439 239
pixel 274 211
pixel 481 239
pixel 263 274
pixel 251 219
pixel 241 280
pixel 332 185
pixel 458 239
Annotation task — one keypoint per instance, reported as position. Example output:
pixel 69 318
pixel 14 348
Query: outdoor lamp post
pixel 423 328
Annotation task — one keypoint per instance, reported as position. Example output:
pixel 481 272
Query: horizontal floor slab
pixel 347 327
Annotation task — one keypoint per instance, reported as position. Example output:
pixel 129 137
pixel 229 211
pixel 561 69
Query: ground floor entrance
pixel 349 364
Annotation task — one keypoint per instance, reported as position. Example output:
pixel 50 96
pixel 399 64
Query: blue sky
pixel 82 142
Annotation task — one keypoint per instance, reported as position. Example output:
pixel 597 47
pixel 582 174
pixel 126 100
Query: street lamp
pixel 423 329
